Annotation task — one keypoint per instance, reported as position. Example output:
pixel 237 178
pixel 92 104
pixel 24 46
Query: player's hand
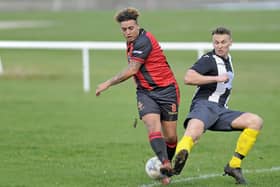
pixel 223 78
pixel 102 87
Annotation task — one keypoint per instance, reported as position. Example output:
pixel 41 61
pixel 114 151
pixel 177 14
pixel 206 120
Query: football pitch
pixel 53 134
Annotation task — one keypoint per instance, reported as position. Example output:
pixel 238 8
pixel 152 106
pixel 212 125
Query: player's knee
pixel 171 139
pixel 255 122
pixel 259 122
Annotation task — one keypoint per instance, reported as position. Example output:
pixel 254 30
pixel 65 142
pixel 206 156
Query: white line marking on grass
pixel 207 176
pixel 24 24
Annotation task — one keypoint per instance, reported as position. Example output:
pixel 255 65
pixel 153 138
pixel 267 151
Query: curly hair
pixel 126 14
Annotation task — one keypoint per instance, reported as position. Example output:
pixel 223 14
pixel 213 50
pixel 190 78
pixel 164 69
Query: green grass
pixel 54 134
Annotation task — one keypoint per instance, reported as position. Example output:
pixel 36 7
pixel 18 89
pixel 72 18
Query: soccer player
pixel 213 75
pixel 156 87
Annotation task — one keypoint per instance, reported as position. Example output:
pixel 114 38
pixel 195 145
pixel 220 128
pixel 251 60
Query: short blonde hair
pixel 127 14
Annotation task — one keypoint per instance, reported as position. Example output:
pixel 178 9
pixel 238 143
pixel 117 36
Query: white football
pixel 152 168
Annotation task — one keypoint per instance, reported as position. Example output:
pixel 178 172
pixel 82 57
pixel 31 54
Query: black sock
pixel 171 148
pixel 158 145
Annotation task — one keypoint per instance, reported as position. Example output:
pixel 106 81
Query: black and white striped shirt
pixel 211 64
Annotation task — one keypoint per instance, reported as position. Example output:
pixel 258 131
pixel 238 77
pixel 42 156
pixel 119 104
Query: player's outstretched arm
pixel 131 70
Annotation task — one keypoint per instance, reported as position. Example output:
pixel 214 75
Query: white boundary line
pixel 207 176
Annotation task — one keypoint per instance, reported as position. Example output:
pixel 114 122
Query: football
pixel 152 168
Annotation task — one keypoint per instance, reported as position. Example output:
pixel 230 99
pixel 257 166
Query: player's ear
pixel 230 41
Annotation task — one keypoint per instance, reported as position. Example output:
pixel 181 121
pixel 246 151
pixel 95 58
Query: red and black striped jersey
pixel 155 72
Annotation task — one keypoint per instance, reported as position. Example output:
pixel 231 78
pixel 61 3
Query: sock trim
pixel 171 144
pixel 154 135
pixel 238 155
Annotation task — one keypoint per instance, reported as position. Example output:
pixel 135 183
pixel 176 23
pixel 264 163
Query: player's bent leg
pixel 180 161
pixel 248 120
pixel 251 124
pixel 194 130
pixel 182 152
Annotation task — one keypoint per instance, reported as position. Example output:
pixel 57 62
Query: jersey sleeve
pixel 141 50
pixel 203 65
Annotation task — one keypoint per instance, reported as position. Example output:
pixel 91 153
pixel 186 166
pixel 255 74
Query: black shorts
pixel 163 101
pixel 214 117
